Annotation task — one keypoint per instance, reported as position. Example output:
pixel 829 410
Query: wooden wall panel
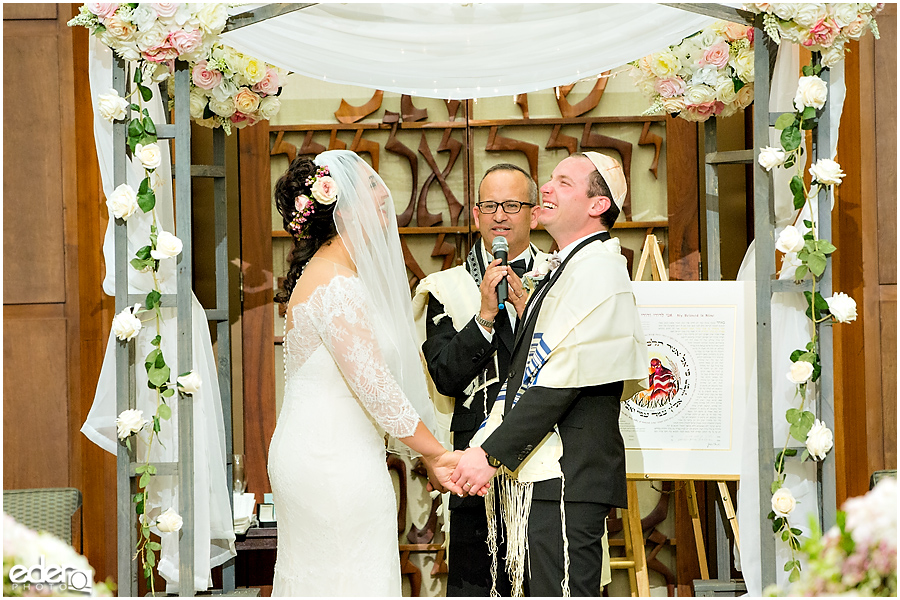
pixel 258 286
pixel 683 194
pixel 888 415
pixel 35 407
pixel 886 145
pixel 29 10
pixel 33 252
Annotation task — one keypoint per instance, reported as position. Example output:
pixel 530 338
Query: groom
pixel 579 344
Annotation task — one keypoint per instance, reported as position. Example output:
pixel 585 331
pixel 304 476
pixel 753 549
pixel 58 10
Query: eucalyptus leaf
pixel 158 376
pixel 164 411
pixel 785 120
pixel 168 392
pixel 792 415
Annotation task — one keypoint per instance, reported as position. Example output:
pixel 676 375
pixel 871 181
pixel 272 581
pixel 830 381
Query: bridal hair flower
pixel 323 189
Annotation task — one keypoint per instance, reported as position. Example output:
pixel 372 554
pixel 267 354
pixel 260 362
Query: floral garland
pixel 324 189
pixel 708 74
pixel 227 88
pixel 856 557
pixel 823 28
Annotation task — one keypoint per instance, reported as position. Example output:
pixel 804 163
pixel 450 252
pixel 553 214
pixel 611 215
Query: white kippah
pixel 612 174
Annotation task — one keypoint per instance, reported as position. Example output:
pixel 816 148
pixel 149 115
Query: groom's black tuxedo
pixel 593 460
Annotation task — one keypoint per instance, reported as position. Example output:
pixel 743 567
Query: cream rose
pixel 673 105
pixel 120 28
pixel 790 240
pixel 843 13
pixel 122 202
pixel 770 157
pixel 325 190
pixel 223 109
pixel 112 107
pixel 269 107
pixel 725 91
pixel 212 17
pixel 783 502
pixel 743 65
pixel 254 70
pixel 745 96
pixel 807 15
pixel 832 55
pixel 699 94
pixel 811 91
pixel 198 101
pixel 800 372
pixel 246 101
pixel 819 440
pixel 126 325
pixel 149 155
pixel 190 382
pixel 665 64
pixel 784 11
pixel 129 422
pixel 856 28
pixel 169 521
pixel 167 246
pixel 826 172
pixel 144 16
pixel 842 307
pixel 152 37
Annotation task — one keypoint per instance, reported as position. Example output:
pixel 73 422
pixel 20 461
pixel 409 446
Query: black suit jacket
pixel 454 359
pixel 593 460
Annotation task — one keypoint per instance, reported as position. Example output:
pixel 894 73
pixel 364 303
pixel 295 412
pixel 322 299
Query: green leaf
pixel 154 545
pixel 145 479
pixel 799 191
pixel 792 415
pixel 168 392
pixel 785 120
pixel 160 361
pixel 796 531
pixel 805 456
pixel 821 304
pixel 135 129
pixel 794 576
pixel 140 469
pixel 155 424
pixel 801 272
pixel 809 113
pixel 135 107
pixel 790 161
pixel 790 452
pixel 808 223
pixel 800 429
pixel 158 376
pixel 151 469
pixel 128 443
pixel 151 558
pixel 156 341
pixel 153 300
pixel 788 565
pixel 771 515
pixel 817 69
pixel 164 411
pixel 826 247
pixel 146 200
pixel 143 253
pixel 145 531
pixel 785 535
pixel 809 357
pixel 809 124
pixel 151 358
pixel 817 263
pixel 808 71
pixel 795 356
pixel 139 507
pixel 146 93
pixel 738 84
pixel 149 127
pixel 775 486
pixel 791 138
pixel 139 76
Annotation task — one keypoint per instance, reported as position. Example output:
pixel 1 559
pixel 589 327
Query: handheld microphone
pixel 500 249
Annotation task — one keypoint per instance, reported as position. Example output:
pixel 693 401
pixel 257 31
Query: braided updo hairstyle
pixel 318 229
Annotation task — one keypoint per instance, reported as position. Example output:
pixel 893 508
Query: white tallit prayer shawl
pixel 588 333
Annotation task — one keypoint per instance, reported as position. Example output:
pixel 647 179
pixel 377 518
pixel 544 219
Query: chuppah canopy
pixel 459 51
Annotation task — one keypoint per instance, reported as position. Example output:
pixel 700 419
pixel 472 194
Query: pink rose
pixel 185 41
pixel 246 101
pixel 164 52
pixel 166 9
pixel 205 78
pixel 104 10
pixel 822 33
pixel 716 55
pixel 269 84
pixel 734 31
pixel 240 120
pixel 669 87
pixel 706 109
pixel 750 34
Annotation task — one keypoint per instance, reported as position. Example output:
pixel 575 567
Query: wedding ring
pixel 468 485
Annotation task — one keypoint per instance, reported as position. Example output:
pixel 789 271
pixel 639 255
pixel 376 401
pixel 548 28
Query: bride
pixel 352 371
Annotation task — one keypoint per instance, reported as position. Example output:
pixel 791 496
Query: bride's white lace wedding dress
pixel 337 512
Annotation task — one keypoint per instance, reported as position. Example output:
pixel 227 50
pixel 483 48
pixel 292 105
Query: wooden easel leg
pixel 694 510
pixel 729 512
pixel 628 561
pixel 641 574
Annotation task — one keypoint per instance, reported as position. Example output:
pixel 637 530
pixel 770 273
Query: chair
pixel 44 509
pixel 879 475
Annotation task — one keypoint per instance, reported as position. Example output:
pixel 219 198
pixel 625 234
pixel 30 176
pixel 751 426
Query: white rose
pixel 152 37
pixel 212 17
pixel 800 372
pixel 857 27
pixel 790 240
pixel 698 94
pixel 122 202
pixel 223 109
pixel 269 107
pixel 725 91
pixel 833 54
pixel 789 264
pixel 198 101
pixel 783 502
pixel 826 172
pixel 190 382
pixel 811 91
pixel 844 13
pixel 664 64
pixel 770 157
pixel 819 440
pixel 169 521
pixel 112 107
pixel 144 16
pixel 224 91
pixel 167 246
pixel 743 65
pixel 706 75
pixel 842 307
pixel 130 421
pixel 126 324
pixel 784 11
pixel 807 15
pixel 149 155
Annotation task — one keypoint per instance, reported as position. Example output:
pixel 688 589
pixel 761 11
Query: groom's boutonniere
pixel 540 270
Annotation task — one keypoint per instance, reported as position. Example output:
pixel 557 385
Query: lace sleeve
pixel 341 319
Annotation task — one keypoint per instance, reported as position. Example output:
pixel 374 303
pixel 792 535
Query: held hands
pixel 440 471
pixel 473 473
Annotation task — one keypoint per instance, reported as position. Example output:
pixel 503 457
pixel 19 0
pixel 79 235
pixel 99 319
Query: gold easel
pixel 658 267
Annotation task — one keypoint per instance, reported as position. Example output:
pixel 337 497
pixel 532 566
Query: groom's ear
pixel 599 205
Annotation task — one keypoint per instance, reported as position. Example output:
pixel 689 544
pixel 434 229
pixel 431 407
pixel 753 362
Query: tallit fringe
pixel 562 512
pixel 515 508
pixel 491 511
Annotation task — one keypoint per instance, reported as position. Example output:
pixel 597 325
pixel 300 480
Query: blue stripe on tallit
pixel 538 353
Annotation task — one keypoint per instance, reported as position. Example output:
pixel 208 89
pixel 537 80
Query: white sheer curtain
pixel 457 51
pixel 213 525
pixel 791 330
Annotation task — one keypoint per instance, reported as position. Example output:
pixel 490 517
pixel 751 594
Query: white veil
pixel 364 218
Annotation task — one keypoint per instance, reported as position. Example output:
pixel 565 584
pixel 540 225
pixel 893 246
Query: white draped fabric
pixel 212 525
pixel 791 330
pixel 458 51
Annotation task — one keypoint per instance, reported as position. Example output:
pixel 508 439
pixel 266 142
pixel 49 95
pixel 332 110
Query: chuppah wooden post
pixel 826 484
pixel 764 226
pixel 125 381
pixel 184 307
